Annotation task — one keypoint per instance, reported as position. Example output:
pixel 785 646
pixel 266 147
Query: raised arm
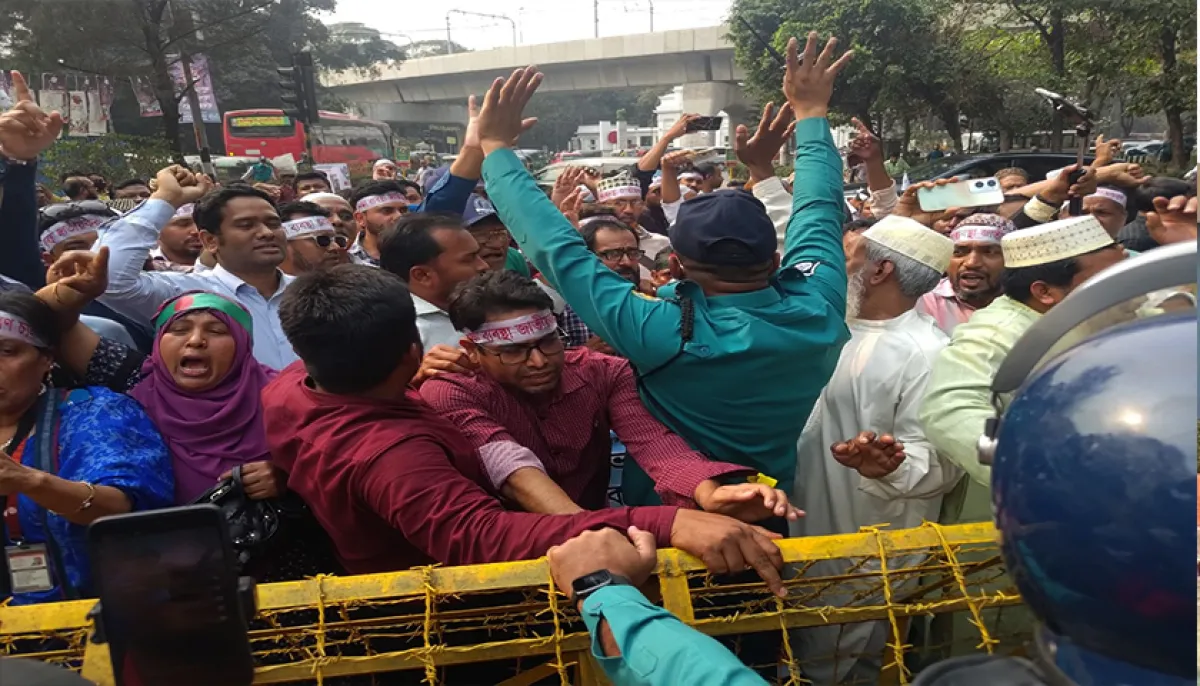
pixel 636 327
pixel 25 131
pixel 814 237
pixel 453 190
pixel 758 153
pixel 131 291
pixel 650 161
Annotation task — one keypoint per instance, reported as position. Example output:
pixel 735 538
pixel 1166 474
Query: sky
pixel 538 21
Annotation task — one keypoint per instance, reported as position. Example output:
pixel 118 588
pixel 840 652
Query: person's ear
pixel 1046 294
pixel 472 350
pixel 48 259
pixel 883 269
pixel 676 268
pixel 210 242
pixel 421 274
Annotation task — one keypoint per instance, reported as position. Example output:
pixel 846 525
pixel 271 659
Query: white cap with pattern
pixel 620 186
pixel 1053 241
pixel 913 240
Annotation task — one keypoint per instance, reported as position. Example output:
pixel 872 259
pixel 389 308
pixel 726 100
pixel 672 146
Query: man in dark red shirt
pixel 538 415
pixel 395 484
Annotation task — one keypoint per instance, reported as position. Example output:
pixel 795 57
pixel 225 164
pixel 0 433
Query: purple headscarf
pixel 212 431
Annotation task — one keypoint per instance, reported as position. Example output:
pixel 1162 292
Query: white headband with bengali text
pixel 531 327
pixel 17 329
pixel 298 228
pixel 70 228
pixel 373 201
pixel 184 211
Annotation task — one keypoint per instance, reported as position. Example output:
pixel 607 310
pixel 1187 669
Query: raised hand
pixel 571 205
pixel 678 160
pixel 679 128
pixel 1173 220
pixel 747 502
pixel 178 186
pixel 872 456
pixel 1106 150
pixel 501 121
pixel 567 183
pixel 79 277
pixel 25 130
pixel 1127 174
pixel 865 144
pixel 1061 189
pixel 758 152
pixel 471 135
pixel 808 83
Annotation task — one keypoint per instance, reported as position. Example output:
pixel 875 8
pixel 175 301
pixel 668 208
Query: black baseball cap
pixel 725 228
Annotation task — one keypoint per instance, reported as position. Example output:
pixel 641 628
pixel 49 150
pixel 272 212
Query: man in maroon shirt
pixel 538 415
pixel 395 484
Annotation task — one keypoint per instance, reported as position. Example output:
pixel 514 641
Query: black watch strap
pixel 588 584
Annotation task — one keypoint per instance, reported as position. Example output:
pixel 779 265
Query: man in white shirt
pixel 238 225
pixel 433 253
pixel 893 477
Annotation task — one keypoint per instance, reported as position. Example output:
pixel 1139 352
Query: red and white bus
pixel 337 138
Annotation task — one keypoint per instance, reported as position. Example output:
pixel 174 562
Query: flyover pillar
pixel 708 99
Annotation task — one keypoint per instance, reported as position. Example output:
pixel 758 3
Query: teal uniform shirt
pixel 741 389
pixel 656 648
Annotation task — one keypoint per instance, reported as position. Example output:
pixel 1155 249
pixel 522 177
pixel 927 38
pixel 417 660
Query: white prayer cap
pixel 1053 241
pixel 314 197
pixel 913 240
pixel 380 163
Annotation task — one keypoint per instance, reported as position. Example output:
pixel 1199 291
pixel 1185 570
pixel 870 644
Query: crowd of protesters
pixel 439 370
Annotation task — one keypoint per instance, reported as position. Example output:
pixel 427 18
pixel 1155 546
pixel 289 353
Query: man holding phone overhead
pixel 734 355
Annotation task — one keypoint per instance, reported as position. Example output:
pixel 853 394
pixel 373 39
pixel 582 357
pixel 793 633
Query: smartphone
pixel 169 601
pixel 969 193
pixel 704 124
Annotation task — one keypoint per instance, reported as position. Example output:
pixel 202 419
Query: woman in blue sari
pixel 69 457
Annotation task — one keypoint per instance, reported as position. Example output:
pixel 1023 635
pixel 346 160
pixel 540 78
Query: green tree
pixel 244 41
pixel 560 114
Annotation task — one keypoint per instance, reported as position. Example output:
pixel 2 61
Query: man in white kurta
pixel 878 386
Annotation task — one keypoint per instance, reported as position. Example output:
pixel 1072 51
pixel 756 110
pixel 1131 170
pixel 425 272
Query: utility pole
pixel 503 17
pixel 651 3
pixel 186 23
pixel 596 16
pixel 449 43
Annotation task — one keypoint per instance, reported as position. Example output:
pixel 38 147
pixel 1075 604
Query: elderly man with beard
pixel 539 416
pixel 973 278
pixel 311 239
pixel 881 470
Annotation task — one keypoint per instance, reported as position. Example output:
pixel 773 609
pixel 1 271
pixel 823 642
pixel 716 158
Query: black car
pixel 1036 164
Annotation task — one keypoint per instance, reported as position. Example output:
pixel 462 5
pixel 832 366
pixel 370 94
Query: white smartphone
pixel 969 193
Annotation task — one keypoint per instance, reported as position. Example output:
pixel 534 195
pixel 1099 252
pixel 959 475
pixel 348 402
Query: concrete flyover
pixel 435 89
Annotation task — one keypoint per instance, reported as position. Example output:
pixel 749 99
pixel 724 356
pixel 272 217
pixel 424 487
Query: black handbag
pixel 276 539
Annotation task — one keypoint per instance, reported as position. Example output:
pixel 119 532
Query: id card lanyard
pixel 28 563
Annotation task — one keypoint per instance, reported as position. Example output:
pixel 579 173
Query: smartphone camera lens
pixel 979 184
pixel 991 183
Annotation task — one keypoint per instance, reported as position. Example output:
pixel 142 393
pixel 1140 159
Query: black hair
pixel 75 186
pixel 663 259
pixel 211 207
pixel 301 208
pixel 1018 283
pixel 128 183
pixel 314 174
pixel 597 210
pixel 737 184
pixel 410 242
pixel 591 228
pixel 67 175
pixel 378 187
pixel 40 316
pixel 707 169
pixel 353 305
pixel 492 293
pixel 857 225
pixel 405 183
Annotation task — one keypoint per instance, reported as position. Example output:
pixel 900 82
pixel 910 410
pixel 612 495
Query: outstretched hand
pixel 746 502
pixel 26 130
pixel 872 456
pixel 808 82
pixel 501 121
pixel 79 277
pixel 1173 220
pixel 757 152
pixel 865 144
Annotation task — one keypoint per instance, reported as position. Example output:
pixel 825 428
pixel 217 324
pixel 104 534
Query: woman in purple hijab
pixel 201 386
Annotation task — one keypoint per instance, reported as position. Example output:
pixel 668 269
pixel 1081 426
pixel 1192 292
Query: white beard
pixel 856 290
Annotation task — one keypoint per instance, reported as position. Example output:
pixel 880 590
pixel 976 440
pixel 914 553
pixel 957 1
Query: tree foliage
pixel 115 157
pixel 245 40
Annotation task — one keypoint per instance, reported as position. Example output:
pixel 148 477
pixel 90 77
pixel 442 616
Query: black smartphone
pixel 704 124
pixel 169 601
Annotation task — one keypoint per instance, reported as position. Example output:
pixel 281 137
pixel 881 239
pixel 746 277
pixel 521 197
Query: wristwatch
pixel 588 584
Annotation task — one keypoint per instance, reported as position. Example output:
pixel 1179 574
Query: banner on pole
pixel 202 78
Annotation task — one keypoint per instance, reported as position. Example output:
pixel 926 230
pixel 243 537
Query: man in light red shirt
pixel 973 278
pixel 396 485
pixel 538 415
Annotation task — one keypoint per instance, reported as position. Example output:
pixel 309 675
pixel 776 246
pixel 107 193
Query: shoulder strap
pixel 47 459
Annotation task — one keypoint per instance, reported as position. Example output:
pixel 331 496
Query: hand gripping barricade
pixel 1092 481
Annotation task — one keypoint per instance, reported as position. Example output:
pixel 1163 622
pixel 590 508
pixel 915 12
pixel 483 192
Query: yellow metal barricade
pixel 506 623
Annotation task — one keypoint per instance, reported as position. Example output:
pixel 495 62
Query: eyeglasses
pixel 491 236
pixel 513 355
pixel 616 254
pixel 324 240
